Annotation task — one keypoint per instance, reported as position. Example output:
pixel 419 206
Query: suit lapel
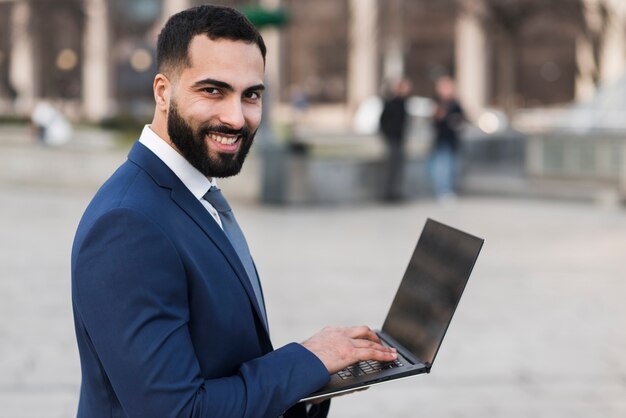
pixel 164 177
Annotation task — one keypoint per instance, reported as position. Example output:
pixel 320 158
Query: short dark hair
pixel 217 22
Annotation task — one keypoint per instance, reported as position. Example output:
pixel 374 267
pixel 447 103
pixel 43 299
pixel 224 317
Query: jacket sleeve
pixel 130 294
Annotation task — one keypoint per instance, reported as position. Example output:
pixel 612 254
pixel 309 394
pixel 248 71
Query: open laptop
pixel 421 310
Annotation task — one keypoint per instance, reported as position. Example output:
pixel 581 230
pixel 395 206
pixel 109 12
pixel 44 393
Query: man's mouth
pixel 224 139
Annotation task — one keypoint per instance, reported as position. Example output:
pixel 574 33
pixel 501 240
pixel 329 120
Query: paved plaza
pixel 539 331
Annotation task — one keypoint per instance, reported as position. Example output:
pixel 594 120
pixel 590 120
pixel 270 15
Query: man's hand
pixel 338 348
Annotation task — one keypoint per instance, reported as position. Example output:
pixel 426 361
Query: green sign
pixel 262 17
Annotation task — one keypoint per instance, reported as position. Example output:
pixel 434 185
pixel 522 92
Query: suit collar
pixel 165 177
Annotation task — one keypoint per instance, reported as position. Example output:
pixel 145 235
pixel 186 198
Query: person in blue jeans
pixel 448 120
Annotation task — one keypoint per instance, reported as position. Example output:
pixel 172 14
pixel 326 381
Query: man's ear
pixel 162 89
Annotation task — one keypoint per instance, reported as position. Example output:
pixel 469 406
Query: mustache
pixel 223 129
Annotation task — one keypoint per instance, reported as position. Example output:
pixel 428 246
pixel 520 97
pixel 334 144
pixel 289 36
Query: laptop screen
pixel 431 289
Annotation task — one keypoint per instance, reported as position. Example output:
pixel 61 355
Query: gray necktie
pixel 233 232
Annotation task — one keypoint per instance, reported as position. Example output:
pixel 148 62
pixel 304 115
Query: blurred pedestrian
pixel 448 120
pixel 393 126
pixel 51 125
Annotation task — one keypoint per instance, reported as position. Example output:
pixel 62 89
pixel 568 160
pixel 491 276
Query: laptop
pixel 421 311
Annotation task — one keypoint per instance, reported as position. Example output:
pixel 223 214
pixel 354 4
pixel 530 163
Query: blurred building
pixel 97 57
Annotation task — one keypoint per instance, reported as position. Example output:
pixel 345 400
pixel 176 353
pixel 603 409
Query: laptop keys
pixel 367 367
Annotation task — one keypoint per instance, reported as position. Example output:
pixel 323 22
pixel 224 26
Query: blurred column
pixel 393 50
pixel 585 60
pixel 471 58
pixel 613 59
pixel 622 182
pixel 96 61
pixel 271 36
pixel 171 7
pixel 22 71
pixel 362 55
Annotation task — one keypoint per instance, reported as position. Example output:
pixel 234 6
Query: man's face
pixel 215 107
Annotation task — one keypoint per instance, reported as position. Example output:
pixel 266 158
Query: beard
pixel 193 146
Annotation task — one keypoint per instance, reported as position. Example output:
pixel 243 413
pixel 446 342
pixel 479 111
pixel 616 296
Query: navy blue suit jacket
pixel 166 319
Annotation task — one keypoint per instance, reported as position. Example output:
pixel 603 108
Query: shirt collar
pixel 193 179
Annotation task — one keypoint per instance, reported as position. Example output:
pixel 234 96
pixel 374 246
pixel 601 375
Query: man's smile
pixel 225 142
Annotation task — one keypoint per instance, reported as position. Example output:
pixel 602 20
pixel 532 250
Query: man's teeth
pixel 224 140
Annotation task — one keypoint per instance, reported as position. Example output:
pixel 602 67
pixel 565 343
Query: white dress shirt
pixel 194 180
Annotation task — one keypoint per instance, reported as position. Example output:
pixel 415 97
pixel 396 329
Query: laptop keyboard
pixel 367 367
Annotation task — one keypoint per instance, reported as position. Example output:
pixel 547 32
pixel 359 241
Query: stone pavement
pixel 539 332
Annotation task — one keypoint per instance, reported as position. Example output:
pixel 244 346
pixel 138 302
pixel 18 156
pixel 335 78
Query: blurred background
pixel 541 174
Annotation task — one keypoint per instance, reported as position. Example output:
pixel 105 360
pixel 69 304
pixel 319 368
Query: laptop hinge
pixel 403 351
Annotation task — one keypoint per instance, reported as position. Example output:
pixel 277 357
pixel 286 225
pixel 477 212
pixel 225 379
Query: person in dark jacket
pixel 393 126
pixel 447 122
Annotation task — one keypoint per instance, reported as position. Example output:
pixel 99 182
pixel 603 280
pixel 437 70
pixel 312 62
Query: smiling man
pixel 168 308
pixel 214 109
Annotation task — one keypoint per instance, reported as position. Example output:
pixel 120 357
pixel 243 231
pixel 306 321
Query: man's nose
pixel 231 114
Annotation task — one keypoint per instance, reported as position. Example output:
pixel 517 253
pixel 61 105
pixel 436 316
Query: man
pixel 169 313
pixel 448 119
pixel 393 124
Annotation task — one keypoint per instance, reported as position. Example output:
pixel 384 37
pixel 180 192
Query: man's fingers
pixel 369 350
pixel 361 343
pixel 378 355
pixel 362 332
pixel 368 346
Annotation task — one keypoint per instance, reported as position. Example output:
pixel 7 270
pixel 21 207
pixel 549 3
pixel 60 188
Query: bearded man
pixel 168 307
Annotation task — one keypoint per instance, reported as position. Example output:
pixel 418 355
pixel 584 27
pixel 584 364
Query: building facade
pixel 97 57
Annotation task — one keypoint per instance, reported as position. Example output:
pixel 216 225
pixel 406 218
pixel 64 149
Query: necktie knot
pixel 215 197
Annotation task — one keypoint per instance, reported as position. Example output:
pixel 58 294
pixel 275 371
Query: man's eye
pixel 211 90
pixel 253 95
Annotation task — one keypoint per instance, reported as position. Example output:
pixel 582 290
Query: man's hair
pixel 216 22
